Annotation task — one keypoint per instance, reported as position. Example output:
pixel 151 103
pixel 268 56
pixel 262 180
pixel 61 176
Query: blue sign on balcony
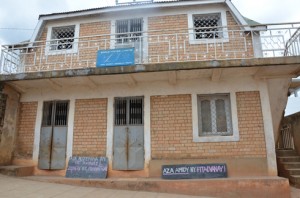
pixel 115 57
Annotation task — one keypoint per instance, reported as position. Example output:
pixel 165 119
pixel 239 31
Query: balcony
pixel 152 47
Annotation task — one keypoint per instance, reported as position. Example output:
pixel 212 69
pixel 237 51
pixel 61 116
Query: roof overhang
pixel 263 68
pixel 97 11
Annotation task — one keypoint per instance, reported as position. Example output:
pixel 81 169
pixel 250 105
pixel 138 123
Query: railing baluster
pixel 163 47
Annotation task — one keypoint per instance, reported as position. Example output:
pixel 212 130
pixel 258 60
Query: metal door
pixel 53 139
pixel 128 134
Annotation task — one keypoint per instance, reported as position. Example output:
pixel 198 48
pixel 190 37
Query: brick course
pixel 87 49
pixel 26 128
pixel 160 41
pixel 172 133
pixel 239 45
pixel 89 136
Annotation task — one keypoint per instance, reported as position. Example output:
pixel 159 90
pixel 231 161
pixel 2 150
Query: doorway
pixel 128 138
pixel 53 139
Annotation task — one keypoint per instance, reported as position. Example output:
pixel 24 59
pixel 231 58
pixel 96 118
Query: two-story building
pixel 148 84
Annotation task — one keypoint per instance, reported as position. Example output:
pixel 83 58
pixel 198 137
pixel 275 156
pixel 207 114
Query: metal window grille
pixel 206 26
pixel 63 37
pixel 287 137
pixel 214 115
pixel 129 111
pixel 55 113
pixel 129 30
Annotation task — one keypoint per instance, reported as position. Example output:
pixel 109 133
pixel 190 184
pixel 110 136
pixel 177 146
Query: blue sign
pixel 115 57
pixel 87 167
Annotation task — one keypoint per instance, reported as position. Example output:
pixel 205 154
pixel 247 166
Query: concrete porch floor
pixel 42 187
pixel 156 187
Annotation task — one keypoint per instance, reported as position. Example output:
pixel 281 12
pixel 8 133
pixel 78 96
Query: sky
pixel 18 18
pixel 23 14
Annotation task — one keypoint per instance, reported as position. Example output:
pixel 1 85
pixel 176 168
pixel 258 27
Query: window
pixel 207 26
pixel 129 30
pixel 214 115
pixel 128 111
pixel 62 38
pixel 55 113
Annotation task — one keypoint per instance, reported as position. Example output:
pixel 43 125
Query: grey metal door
pixel 128 151
pixel 53 140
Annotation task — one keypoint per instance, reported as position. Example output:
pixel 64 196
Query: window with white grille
pixel 129 30
pixel 62 38
pixel 214 115
pixel 207 26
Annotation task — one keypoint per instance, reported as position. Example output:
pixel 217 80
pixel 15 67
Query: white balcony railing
pixel 180 45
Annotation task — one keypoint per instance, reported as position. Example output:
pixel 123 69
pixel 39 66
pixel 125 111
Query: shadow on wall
pixel 292 124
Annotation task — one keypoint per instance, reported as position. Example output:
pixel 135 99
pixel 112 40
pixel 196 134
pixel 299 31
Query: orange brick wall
pixel 159 49
pixel 158 46
pixel 35 58
pixel 172 134
pixel 26 127
pixel 89 138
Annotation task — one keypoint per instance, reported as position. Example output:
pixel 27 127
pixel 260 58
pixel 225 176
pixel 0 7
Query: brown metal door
pixel 53 139
pixel 128 134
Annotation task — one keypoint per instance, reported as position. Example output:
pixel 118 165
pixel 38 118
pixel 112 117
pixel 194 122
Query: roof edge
pixel 126 7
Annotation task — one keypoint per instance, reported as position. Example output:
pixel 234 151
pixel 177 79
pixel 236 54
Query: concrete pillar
pixel 9 105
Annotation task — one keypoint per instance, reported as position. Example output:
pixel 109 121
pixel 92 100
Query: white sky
pixel 23 14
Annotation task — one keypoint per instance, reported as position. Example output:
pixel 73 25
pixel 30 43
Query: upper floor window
pixel 129 30
pixel 207 26
pixel 62 38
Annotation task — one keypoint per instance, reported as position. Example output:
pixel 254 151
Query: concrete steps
pixel 289 165
pixel 245 187
pixel 17 171
pixel 295 180
pixel 288 162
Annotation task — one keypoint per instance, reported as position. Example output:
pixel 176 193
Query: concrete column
pixel 9 111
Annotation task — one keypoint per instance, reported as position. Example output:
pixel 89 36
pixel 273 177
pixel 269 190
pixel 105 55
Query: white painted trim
pixel 268 128
pixel 256 43
pixel 234 119
pixel 38 126
pixel 128 8
pixel 147 129
pixel 110 128
pixel 37 131
pixel 68 51
pixel 37 31
pixel 112 33
pixel 208 11
pixel 236 14
pixel 71 115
